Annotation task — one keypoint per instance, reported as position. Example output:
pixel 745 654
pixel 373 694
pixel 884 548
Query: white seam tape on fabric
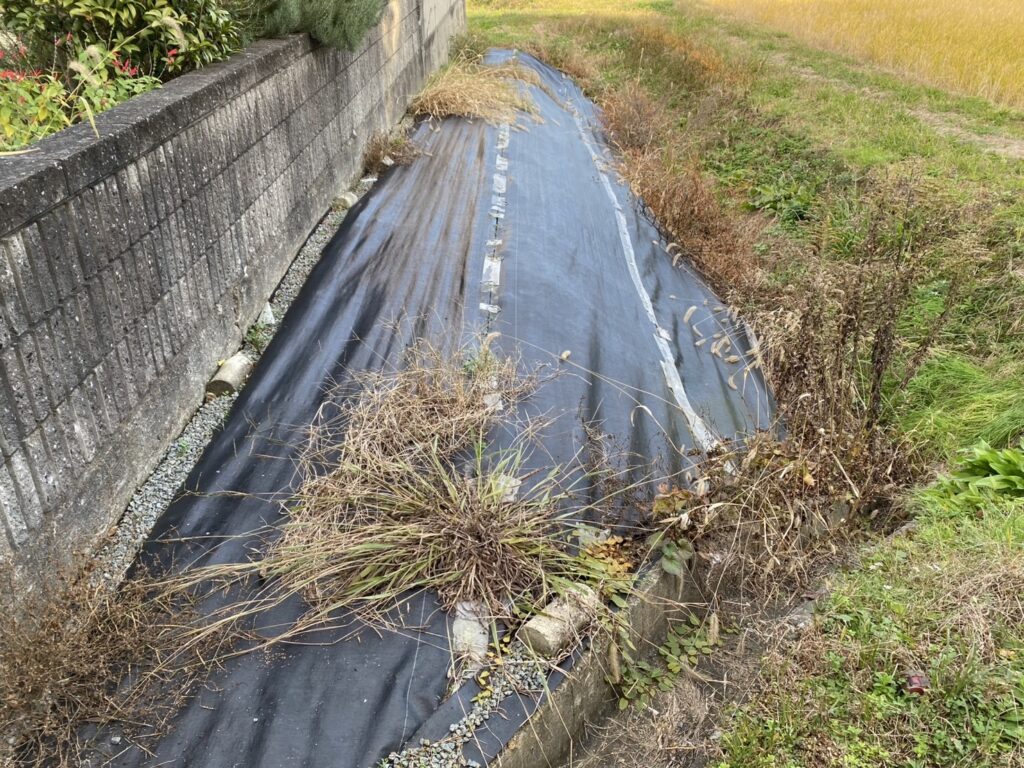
pixel 491 278
pixel 705 438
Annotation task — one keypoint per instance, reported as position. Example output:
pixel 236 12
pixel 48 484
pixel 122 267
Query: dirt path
pixel 944 123
pixel 953 125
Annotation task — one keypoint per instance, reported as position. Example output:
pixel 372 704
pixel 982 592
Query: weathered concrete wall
pixel 132 262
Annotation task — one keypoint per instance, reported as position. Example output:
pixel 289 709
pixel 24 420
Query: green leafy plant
pixel 687 642
pixel 985 472
pixel 159 36
pixel 259 336
pixel 641 681
pixel 35 103
pixel 30 107
pixel 71 59
pixel 338 23
pixel 675 555
pixel 789 199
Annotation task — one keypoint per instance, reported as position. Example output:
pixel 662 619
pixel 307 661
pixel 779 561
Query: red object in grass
pixel 917 683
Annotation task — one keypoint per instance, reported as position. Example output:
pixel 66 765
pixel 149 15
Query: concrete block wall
pixel 131 262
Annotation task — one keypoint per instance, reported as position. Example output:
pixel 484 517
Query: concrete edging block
pixel 546 739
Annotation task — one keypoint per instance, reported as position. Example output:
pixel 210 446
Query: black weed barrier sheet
pixel 524 230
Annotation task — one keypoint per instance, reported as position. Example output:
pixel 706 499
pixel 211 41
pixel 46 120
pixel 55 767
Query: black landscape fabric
pixel 524 230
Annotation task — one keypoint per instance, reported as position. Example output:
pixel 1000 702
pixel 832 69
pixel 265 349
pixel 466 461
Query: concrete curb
pixel 585 695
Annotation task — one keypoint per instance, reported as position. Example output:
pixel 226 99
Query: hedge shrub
pixel 160 37
pixel 338 23
pixel 35 103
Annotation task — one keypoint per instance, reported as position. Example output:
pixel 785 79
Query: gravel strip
pixel 161 488
pixel 154 496
pixel 519 671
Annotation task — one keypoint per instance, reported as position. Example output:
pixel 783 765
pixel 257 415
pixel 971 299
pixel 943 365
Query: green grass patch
pixel 943 601
pixel 955 402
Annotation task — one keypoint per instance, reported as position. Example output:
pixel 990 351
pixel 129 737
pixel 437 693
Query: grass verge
pixel 918 659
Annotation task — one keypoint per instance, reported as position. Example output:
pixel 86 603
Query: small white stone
pixel 346 200
pixel 230 376
pixel 561 622
pixel 509 486
pixel 469 633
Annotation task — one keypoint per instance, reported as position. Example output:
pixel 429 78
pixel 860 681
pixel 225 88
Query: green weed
pixel 686 644
pixel 258 336
pixel 954 402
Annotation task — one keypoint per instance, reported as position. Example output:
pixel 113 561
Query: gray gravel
pixel 519 672
pixel 159 490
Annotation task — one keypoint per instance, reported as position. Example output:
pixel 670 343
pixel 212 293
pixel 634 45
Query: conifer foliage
pixel 338 23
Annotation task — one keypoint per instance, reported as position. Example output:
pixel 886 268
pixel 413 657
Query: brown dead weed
pixel 768 516
pixel 388 149
pixel 826 340
pixel 469 88
pixel 76 654
pixel 397 495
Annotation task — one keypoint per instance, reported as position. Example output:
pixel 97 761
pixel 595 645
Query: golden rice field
pixel 975 47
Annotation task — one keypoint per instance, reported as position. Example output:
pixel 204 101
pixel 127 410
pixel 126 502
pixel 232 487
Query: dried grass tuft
pixel 400 495
pixel 685 203
pixel 562 52
pixel 764 517
pixel 468 88
pixel 77 654
pixel 639 122
pixel 407 500
pixel 388 149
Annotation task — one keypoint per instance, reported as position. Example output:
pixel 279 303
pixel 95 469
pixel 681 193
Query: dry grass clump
pixel 828 335
pixel 664 739
pixel 399 495
pixel 468 88
pixel 650 49
pixel 558 46
pixel 408 500
pixel 763 517
pixel 388 149
pixel 663 170
pixel 830 348
pixel 637 121
pixel 655 50
pixel 76 654
pixel 685 203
